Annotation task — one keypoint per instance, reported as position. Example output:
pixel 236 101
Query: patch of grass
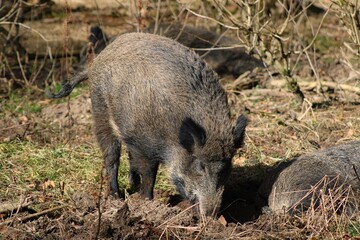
pixel 24 164
pixel 58 13
pixel 123 172
pixel 324 43
pixel 162 180
pixel 354 229
pixel 12 104
pixel 57 87
pixel 20 103
pixel 329 60
pixel 34 107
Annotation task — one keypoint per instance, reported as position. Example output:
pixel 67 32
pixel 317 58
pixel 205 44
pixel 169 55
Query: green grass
pixel 19 103
pixel 354 229
pixel 325 43
pixel 22 164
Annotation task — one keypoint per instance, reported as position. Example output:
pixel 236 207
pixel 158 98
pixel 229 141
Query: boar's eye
pixel 200 167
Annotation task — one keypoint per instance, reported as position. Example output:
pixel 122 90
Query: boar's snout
pixel 210 202
pixel 202 184
pixel 206 197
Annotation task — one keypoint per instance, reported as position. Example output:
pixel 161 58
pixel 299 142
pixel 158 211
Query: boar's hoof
pixel 115 193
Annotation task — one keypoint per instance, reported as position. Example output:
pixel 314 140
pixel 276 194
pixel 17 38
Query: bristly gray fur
pixel 289 186
pixel 163 101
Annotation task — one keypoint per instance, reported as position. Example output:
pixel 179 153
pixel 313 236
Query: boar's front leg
pixel 141 167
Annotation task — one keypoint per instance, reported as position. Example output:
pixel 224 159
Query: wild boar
pixel 295 185
pixel 222 58
pixel 167 106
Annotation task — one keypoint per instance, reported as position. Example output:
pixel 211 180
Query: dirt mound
pixel 119 219
pixel 136 218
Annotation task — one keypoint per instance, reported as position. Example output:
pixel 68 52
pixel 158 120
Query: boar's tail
pixel 67 87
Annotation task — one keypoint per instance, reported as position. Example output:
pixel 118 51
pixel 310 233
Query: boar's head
pixel 203 164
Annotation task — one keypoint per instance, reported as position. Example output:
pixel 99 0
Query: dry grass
pixel 330 216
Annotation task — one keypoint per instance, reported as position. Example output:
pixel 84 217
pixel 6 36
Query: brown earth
pixel 276 130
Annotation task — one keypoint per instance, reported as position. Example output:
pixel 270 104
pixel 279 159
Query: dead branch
pixel 38 214
pixel 242 83
pixel 99 203
pixel 11 206
pixel 26 27
pixel 309 85
pixel 266 92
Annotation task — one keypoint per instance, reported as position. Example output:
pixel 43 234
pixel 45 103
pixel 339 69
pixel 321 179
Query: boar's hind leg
pixel 109 145
pixel 111 153
pixel 147 170
pixel 110 148
pixel 134 177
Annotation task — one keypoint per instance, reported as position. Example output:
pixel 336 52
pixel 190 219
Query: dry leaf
pixel 23 119
pixel 48 184
pixel 41 198
pixel 240 161
pixel 349 133
pixel 45 101
pixel 222 220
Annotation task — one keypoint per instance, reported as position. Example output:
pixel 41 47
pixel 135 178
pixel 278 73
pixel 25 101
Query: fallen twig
pixel 38 214
pixel 305 85
pixel 185 210
pixel 99 203
pixel 265 92
pixel 202 229
pixel 356 173
pixel 242 82
pixel 11 206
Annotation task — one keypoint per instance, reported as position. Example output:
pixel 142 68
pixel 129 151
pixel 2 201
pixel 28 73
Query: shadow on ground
pixel 241 202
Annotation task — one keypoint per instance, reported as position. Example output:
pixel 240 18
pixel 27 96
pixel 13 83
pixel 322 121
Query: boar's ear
pixel 191 133
pixel 239 131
